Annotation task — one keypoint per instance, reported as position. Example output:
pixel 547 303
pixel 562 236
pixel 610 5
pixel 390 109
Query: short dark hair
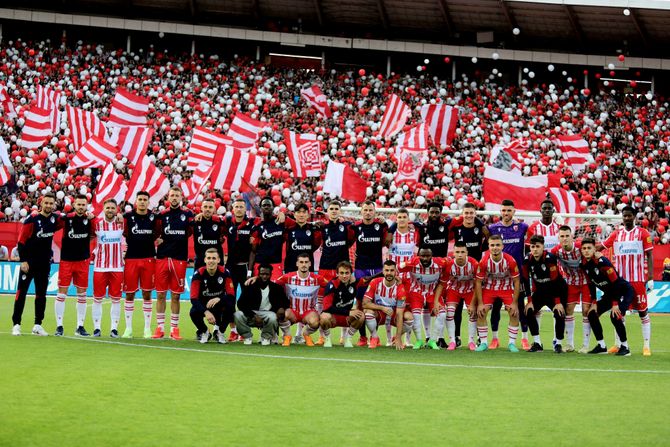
pixel 389 263
pixel 207 199
pixel 469 205
pixel 588 240
pixel 267 199
pixel 565 228
pixel 437 205
pixel 368 203
pixel 507 202
pixel 537 239
pixel 425 247
pixel 549 201
pixel 264 266
pixel 239 199
pixel 302 206
pixel 335 202
pixel 80 197
pixel 460 244
pixel 495 237
pixel 302 255
pixel 176 189
pixel 628 209
pixel 110 201
pixel 344 264
pixel 403 211
pixel 49 195
pixel 143 193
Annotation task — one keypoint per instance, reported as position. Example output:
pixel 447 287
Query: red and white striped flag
pixel 194 186
pixel 304 154
pixel 203 147
pixel 566 202
pixel 4 175
pixel 416 137
pixel 36 129
pixel 576 151
pixel 315 97
pixel 128 109
pixel 83 125
pixel 506 157
pixel 410 164
pixel 110 186
pixel 95 153
pixel 147 177
pixel 49 99
pixel 132 141
pixel 245 131
pixel 441 120
pixel 7 103
pixel 527 193
pixel 232 167
pixel 395 117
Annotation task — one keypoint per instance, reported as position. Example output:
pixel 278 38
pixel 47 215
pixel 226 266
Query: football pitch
pixel 73 391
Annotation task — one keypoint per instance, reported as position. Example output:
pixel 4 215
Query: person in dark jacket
pixel 261 304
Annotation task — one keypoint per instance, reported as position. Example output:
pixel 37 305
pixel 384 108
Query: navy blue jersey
pixel 602 275
pixel 268 238
pixel 339 298
pixel 337 238
pixel 205 287
pixel 77 233
pixel 305 239
pixel 208 233
pixel 370 240
pixel 474 238
pixel 545 274
pixel 237 239
pixel 174 227
pixel 435 235
pixel 140 233
pixel 36 236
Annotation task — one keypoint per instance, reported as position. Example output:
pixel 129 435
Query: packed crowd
pixel 629 135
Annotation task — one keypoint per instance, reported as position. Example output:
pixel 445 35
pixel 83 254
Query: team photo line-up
pixel 419 289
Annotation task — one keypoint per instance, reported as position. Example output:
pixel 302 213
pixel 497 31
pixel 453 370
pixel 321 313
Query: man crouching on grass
pixel 212 298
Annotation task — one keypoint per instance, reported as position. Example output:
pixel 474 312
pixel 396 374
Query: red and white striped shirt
pixel 569 263
pixel 550 233
pixel 630 248
pixel 393 296
pixel 403 246
pixel 422 279
pixel 302 292
pixel 109 249
pixel 498 276
pixel 459 278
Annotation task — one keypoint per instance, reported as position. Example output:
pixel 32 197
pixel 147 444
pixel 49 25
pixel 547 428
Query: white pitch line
pixel 374 362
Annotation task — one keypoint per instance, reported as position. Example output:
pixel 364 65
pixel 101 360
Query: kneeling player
pixel 497 280
pixel 338 305
pixel 618 294
pixel 549 289
pixel 386 299
pixel 212 298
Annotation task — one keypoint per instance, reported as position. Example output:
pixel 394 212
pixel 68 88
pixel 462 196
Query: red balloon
pixel 365 91
pixel 633 84
pixel 447 60
pixel 622 58
pixel 361 72
pixel 612 73
pixel 586 92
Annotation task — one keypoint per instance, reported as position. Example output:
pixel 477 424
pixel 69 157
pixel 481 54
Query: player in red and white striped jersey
pixel 458 278
pixel 545 227
pixel 497 279
pixel 569 257
pixel 108 267
pixel 384 299
pixel 424 275
pixel 632 246
pixel 302 289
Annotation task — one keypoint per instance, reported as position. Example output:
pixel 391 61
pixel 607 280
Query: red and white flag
pixel 95 153
pixel 4 175
pixel 147 177
pixel 441 120
pixel 576 151
pixel 566 202
pixel 110 186
pixel 128 109
pixel 315 97
pixel 36 129
pixel 304 154
pixel 416 137
pixel 194 186
pixel 343 182
pixel 83 125
pixel 410 164
pixel 506 156
pixel 527 193
pixel 204 144
pixel 7 103
pixel 395 116
pixel 49 99
pixel 245 131
pixel 233 167
pixel 132 141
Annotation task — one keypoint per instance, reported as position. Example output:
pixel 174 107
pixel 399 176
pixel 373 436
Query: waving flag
pixel 132 141
pixel 566 202
pixel 110 186
pixel 394 118
pixel 4 175
pixel 194 186
pixel 506 157
pixel 128 109
pixel 245 131
pixel 233 167
pixel 83 125
pixel 441 120
pixel 36 129
pixel 416 137
pixel 576 151
pixel 343 182
pixel 410 165
pixel 49 99
pixel 526 192
pixel 96 152
pixel 315 97
pixel 304 154
pixel 147 177
pixel 204 144
pixel 7 103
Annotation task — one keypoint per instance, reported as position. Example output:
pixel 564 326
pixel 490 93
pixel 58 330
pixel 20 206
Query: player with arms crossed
pixel 339 300
pixel 458 278
pixel 617 296
pixel 497 279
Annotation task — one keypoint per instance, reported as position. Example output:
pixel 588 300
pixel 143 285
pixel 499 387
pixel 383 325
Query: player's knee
pixel 271 318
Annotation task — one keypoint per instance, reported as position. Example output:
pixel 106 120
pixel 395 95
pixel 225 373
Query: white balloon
pixel 516 31
pixel 474 61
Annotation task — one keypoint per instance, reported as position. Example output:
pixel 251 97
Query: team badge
pixel 53 219
pixel 341 228
pixel 441 229
pixel 85 221
pixel 182 217
pixel 376 227
pixel 516 227
pixel 220 280
pixel 476 230
pixel 215 227
pixel 351 289
pixel 23 277
pixel 151 217
pixel 308 233
pixel 544 267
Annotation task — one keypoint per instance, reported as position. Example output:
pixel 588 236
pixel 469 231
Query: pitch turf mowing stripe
pixel 377 362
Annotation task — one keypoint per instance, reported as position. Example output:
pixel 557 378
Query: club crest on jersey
pixel 341 228
pixel 441 228
pixel 53 219
pixel 85 221
pixel 182 217
pixel 151 217
pixel 220 280
pixel 544 268
pixel 476 230
pixel 215 227
pixel 351 289
pixel 377 227
pixel 308 232
pixel 516 227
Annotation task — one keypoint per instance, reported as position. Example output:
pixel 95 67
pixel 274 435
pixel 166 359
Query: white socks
pixel 59 308
pixel 115 313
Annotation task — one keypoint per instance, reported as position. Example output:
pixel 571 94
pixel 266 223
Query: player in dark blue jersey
pixel 303 237
pixel 267 240
pixel 208 232
pixel 337 237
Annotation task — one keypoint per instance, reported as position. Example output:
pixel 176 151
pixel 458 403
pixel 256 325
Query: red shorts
pixel 107 283
pixel 455 297
pixel 277 271
pixel 640 300
pixel 300 316
pixel 139 272
pixel 328 275
pixel 73 272
pixel 340 320
pixel 490 296
pixel 416 300
pixel 170 275
pixel 578 294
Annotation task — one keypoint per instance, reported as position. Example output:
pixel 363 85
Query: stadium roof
pixel 596 26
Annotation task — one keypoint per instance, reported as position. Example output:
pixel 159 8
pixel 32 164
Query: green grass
pixel 71 391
